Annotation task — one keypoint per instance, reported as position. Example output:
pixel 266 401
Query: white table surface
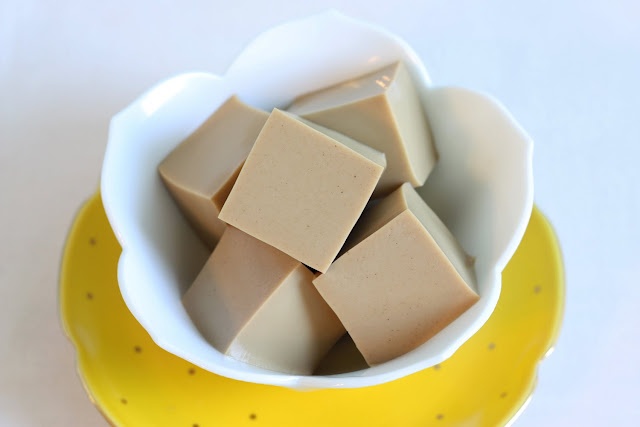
pixel 568 71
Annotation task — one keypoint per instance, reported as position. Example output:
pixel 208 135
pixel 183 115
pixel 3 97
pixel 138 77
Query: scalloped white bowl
pixel 482 186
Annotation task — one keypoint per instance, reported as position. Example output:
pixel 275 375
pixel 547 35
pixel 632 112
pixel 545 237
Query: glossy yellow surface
pixel 135 383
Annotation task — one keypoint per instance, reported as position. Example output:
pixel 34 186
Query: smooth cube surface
pixel 402 280
pixel 258 305
pixel 382 110
pixel 201 171
pixel 302 189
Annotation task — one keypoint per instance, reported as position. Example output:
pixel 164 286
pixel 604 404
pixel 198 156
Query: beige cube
pixel 258 305
pixel 382 110
pixel 302 189
pixel 200 172
pixel 403 278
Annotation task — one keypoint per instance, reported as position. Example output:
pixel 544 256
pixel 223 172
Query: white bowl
pixel 482 187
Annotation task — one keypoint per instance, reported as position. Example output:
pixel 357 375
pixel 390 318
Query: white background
pixel 568 71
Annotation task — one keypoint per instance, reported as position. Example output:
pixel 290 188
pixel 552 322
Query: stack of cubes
pixel 315 226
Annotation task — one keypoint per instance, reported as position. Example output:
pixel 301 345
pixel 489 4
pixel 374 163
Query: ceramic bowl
pixel 482 186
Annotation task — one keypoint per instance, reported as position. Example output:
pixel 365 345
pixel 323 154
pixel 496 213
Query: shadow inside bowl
pixel 343 358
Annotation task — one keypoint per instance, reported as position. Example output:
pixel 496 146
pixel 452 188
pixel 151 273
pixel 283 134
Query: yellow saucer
pixel 135 383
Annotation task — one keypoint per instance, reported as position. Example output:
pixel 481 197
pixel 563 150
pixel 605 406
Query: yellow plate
pixel 135 383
